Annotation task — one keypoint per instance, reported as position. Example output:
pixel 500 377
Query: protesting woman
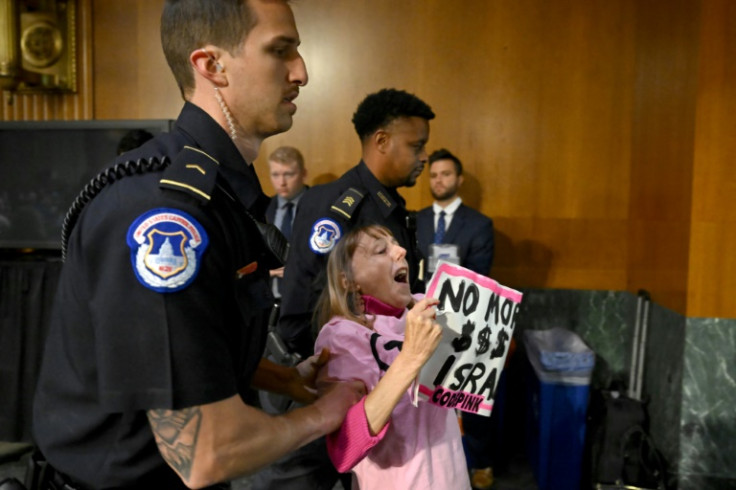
pixel 377 332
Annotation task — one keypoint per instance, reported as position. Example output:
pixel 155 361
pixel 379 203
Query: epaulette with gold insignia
pixel 347 203
pixel 192 171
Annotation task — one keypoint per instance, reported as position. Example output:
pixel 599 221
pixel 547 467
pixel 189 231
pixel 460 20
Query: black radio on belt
pixel 411 220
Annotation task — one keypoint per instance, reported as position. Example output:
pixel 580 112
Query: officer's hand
pixel 308 368
pixel 336 397
pixel 302 386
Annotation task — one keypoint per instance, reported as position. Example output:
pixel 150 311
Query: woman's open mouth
pixel 401 276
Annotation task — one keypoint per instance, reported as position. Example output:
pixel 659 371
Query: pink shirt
pixel 421 447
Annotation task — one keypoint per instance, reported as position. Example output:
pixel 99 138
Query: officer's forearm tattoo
pixel 176 433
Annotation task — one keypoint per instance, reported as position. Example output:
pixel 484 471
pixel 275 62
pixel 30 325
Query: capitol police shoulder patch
pixel 166 247
pixel 325 235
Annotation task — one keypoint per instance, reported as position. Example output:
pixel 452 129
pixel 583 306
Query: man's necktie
pixel 288 218
pixel 286 231
pixel 439 235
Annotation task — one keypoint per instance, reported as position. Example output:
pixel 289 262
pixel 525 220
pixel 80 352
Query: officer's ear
pixel 381 139
pixel 205 63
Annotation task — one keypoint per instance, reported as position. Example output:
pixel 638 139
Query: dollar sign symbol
pixel 463 342
pixel 484 341
pixel 500 349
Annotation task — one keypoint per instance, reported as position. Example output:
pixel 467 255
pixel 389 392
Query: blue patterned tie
pixel 288 218
pixel 439 235
pixel 286 231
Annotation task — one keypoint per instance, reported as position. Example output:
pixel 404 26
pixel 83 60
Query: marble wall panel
pixel 689 377
pixel 662 387
pixel 708 419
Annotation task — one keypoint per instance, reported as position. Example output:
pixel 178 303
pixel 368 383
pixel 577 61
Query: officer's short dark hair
pixel 379 109
pixel 443 154
pixel 187 25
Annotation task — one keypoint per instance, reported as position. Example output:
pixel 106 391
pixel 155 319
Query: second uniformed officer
pixel 393 127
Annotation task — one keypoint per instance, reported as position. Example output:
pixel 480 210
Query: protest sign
pixel 477 315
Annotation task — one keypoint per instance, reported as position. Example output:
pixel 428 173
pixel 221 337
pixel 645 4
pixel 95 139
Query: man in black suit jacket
pixel 472 234
pixel 288 175
pixel 469 230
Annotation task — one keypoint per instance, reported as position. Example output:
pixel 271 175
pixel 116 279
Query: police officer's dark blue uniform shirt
pixel 161 305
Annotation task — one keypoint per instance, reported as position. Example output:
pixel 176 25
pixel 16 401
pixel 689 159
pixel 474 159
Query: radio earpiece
pixel 218 66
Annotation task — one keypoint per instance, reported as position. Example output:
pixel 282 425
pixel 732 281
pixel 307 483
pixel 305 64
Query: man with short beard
pixel 456 229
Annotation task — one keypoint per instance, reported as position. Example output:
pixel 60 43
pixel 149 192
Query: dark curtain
pixel 27 290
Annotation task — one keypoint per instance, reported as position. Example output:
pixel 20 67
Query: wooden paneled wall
pixel 662 128
pixel 596 134
pixel 132 79
pixel 712 279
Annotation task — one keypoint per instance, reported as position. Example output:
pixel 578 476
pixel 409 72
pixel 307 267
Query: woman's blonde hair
pixel 341 296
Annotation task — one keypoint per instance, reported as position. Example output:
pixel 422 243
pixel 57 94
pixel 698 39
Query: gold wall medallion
pixel 38 47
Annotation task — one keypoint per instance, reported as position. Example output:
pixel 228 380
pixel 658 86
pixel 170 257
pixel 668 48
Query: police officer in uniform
pixel 393 127
pixel 158 326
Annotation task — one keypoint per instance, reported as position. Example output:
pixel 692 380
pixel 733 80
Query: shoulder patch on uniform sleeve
pixel 166 247
pixel 192 171
pixel 325 235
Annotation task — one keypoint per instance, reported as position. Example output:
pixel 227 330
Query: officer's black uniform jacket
pixel 117 348
pixel 304 276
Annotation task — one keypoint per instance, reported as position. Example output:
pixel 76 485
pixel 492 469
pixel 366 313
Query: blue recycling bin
pixel 558 384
